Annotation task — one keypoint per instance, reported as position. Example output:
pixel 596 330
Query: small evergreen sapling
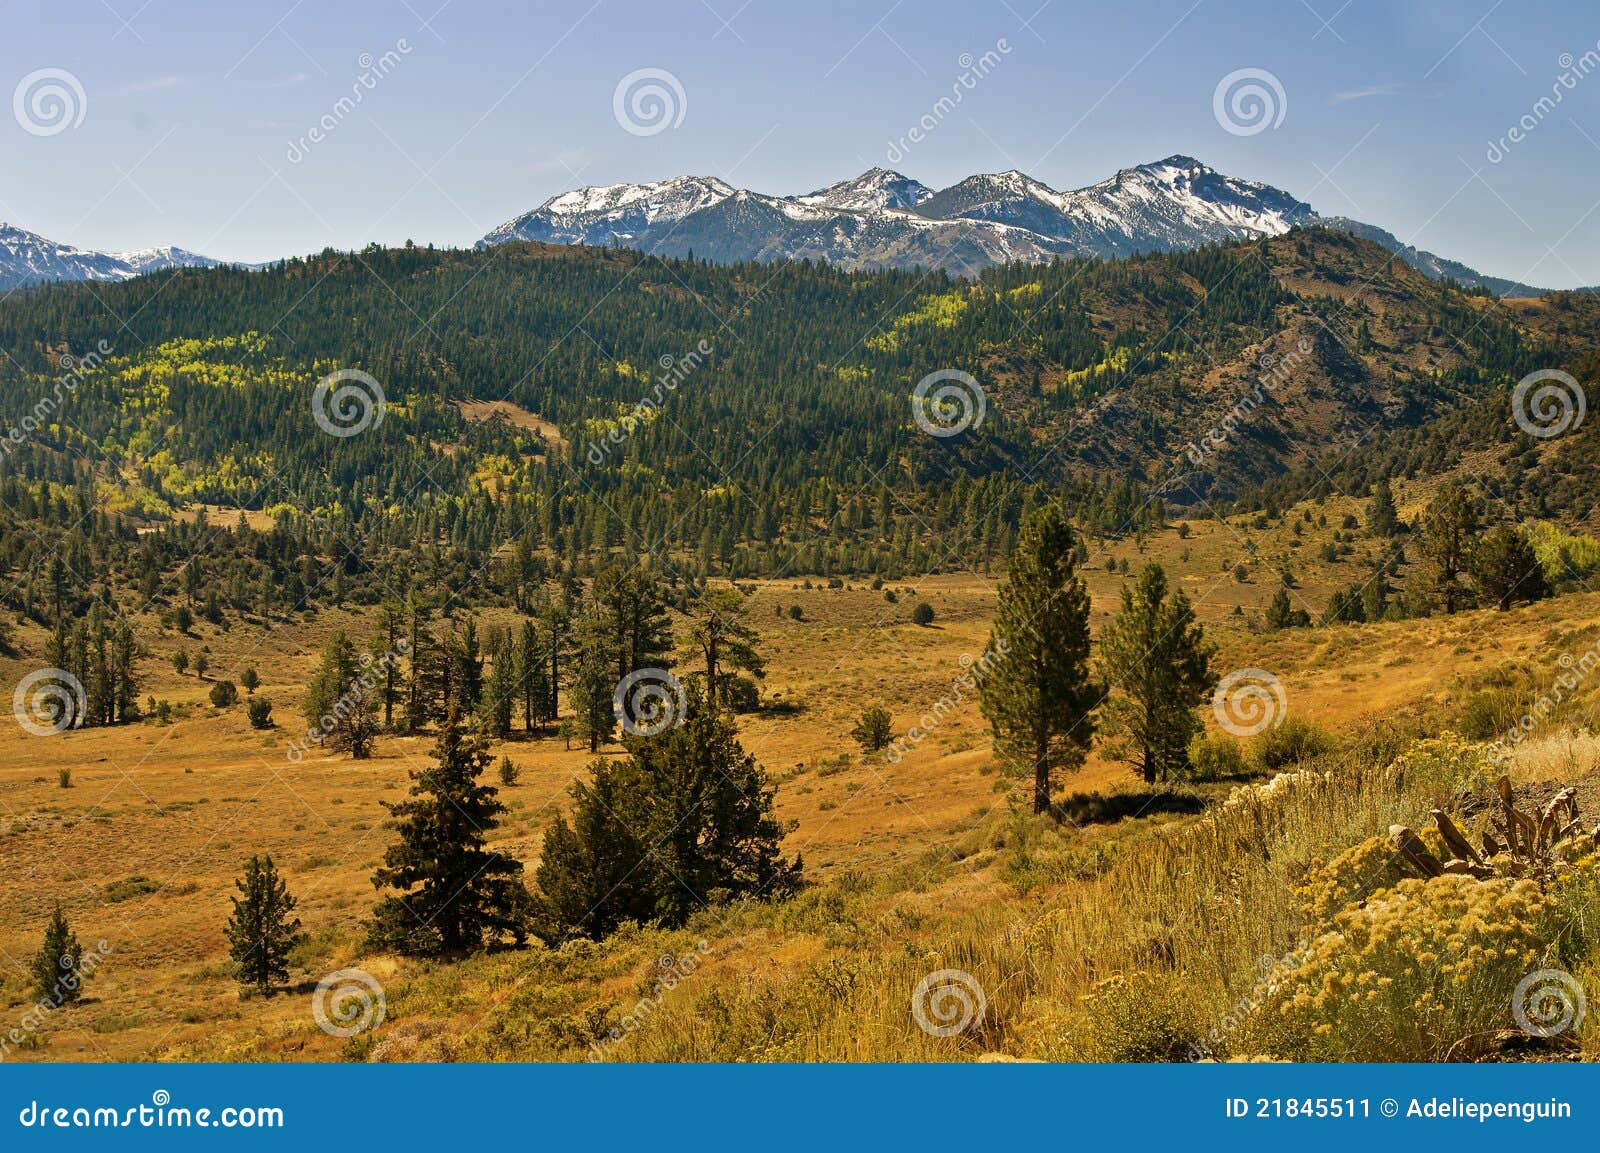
pixel 874 730
pixel 262 931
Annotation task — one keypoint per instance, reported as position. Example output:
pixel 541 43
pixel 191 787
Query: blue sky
pixel 190 110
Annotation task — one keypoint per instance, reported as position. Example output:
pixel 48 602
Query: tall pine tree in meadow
pixel 1157 661
pixel 594 682
pixel 726 640
pixel 58 966
pixel 500 698
pixel 533 681
pixel 452 892
pixel 341 702
pixel 629 604
pixel 262 930
pixel 466 673
pixel 1039 697
pixel 555 623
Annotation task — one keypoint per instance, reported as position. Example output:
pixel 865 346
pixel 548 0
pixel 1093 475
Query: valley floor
pixel 920 865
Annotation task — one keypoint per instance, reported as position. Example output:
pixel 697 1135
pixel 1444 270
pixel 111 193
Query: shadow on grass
pixel 1108 808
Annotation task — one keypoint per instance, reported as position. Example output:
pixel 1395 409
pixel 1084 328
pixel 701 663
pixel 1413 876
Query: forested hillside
pixel 738 420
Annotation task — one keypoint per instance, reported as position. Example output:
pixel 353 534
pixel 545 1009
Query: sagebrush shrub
pixel 1420 972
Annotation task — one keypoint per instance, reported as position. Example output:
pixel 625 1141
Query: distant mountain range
pixel 885 219
pixel 27 258
pixel 880 219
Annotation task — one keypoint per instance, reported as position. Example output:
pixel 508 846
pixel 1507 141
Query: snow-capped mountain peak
pixel 1168 203
pixel 875 190
pixel 884 218
pixel 163 256
pixel 613 212
pixel 28 258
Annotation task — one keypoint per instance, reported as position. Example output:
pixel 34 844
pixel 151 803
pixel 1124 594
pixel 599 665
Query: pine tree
pixel 555 622
pixel 628 602
pixel 685 821
pixel 725 640
pixel 422 685
pixel 500 698
pixel 1158 662
pixel 594 685
pixel 339 703
pixel 1281 613
pixel 57 969
pixel 1039 698
pixel 874 730
pixel 1506 569
pixel 590 873
pixel 1375 595
pixel 531 677
pixel 453 893
pixel 390 625
pixel 1383 519
pixel 466 671
pixel 1449 532
pixel 261 932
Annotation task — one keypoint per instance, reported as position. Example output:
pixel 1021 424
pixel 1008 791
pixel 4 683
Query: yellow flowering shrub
pixel 1409 974
pixel 1446 760
pixel 1360 872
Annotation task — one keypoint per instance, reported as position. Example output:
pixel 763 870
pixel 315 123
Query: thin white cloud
pixel 289 81
pixel 1377 90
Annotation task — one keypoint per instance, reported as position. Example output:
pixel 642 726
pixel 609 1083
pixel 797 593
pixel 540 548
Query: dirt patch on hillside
pixel 478 410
